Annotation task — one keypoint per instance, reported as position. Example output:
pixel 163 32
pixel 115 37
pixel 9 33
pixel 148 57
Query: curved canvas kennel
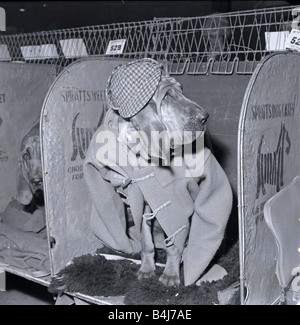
pixel 268 158
pixel 23 90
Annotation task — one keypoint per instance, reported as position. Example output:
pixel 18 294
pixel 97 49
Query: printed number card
pixel 293 40
pixel 115 47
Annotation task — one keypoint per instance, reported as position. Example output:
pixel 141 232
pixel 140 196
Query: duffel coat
pixel 181 204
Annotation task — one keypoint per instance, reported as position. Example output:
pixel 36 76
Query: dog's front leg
pixel 147 268
pixel 170 276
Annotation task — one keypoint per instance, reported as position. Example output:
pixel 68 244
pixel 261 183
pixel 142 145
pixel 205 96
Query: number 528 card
pixel 293 40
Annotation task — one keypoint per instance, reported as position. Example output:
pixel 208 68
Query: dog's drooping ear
pixel 24 194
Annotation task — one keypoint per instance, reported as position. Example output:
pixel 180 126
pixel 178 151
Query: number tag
pixel 115 47
pixel 293 40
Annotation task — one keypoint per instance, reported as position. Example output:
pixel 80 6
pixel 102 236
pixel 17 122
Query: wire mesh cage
pixel 222 43
pixel 219 43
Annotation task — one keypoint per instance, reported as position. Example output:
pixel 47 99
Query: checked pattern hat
pixel 132 85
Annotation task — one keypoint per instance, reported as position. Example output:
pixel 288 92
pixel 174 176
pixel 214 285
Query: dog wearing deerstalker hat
pixel 131 86
pixel 191 211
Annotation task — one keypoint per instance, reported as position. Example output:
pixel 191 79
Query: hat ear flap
pixel 24 194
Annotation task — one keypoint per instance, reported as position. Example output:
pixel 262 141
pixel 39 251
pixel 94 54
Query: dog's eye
pixel 26 156
pixel 167 94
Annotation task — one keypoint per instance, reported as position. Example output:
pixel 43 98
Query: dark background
pixel 35 16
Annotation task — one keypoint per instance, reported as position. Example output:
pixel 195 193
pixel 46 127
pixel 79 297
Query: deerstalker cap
pixel 132 85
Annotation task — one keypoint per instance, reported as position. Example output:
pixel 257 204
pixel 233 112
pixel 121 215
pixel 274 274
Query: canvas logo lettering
pixel 81 137
pixel 295 285
pixel 270 165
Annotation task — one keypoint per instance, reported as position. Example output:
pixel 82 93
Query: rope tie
pixel 152 215
pixel 126 181
pixel 170 240
pixel 135 180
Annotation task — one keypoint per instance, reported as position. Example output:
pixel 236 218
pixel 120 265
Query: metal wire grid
pixel 219 43
pixel 61 47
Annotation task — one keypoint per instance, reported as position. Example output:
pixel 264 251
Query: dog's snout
pixel 36 181
pixel 203 117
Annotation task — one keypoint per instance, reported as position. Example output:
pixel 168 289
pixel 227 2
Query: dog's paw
pixel 145 274
pixel 147 269
pixel 169 280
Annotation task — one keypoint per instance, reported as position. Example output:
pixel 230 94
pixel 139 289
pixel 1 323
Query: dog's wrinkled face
pixel 31 163
pixel 169 110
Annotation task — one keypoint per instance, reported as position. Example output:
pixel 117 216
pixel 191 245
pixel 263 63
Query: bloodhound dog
pixel 30 179
pixel 187 211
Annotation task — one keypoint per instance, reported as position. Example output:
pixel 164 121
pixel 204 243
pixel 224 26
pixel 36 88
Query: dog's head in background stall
pixel 30 178
pixel 217 34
